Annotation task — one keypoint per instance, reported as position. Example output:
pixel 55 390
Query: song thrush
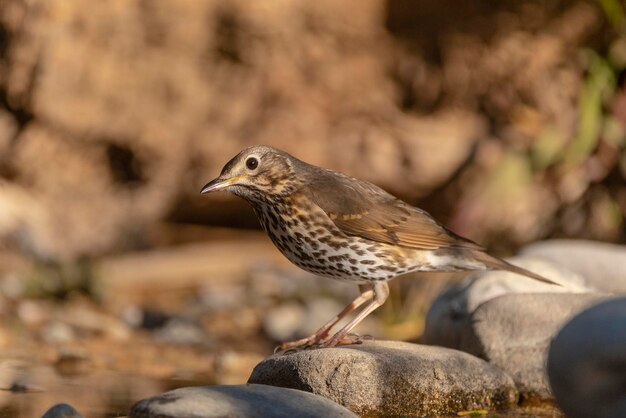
pixel 337 226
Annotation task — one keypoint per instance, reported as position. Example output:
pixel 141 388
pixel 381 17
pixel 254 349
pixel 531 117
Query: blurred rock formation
pixel 113 115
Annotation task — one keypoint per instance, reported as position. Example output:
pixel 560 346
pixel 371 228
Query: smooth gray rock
pixel 602 265
pixel 241 401
pixel 449 315
pixel 390 378
pixel 61 410
pixel 513 333
pixel 587 362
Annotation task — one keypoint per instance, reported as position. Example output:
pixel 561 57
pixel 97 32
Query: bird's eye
pixel 252 163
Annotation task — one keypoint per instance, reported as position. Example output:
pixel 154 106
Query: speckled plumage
pixel 343 228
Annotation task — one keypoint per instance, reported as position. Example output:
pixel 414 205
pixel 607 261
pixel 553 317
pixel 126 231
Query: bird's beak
pixel 219 184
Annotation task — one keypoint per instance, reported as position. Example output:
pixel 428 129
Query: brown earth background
pixel 505 119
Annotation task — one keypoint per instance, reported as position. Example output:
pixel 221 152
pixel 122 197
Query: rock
pixel 8 129
pixel 450 313
pixel 61 410
pixel 165 327
pixel 390 378
pixel 602 265
pixel 73 362
pixel 169 90
pixel 513 332
pixel 283 322
pixel 119 174
pixel 180 331
pixel 587 362
pixel 57 332
pixel 245 401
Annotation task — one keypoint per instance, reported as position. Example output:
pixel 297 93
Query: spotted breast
pixel 309 238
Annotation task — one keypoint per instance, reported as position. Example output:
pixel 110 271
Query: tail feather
pixel 499 264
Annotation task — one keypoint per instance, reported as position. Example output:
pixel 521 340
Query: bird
pixel 337 226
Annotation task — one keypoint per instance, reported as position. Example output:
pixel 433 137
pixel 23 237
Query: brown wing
pixel 362 209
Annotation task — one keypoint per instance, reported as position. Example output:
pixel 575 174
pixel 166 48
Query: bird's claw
pixel 295 346
pixel 349 339
pixel 311 344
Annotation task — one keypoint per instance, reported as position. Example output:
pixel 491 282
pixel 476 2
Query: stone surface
pixel 602 265
pixel 513 333
pixel 389 378
pixel 245 401
pixel 449 315
pixel 587 362
pixel 61 410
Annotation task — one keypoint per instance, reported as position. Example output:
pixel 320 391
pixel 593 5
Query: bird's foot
pixel 347 339
pixel 303 343
pixel 310 343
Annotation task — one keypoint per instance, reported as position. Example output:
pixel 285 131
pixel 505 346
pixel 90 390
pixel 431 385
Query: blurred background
pixel 504 119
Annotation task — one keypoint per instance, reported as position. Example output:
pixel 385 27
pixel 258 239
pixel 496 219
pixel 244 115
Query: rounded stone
pixel 390 378
pixel 513 332
pixel 450 313
pixel 242 401
pixel 587 362
pixel 61 410
pixel 602 265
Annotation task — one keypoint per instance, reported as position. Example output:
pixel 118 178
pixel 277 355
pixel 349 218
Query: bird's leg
pixel 367 293
pixel 381 292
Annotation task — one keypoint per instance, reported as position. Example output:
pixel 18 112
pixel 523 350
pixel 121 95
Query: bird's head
pixel 257 173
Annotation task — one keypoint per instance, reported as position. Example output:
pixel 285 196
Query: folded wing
pixel 361 209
